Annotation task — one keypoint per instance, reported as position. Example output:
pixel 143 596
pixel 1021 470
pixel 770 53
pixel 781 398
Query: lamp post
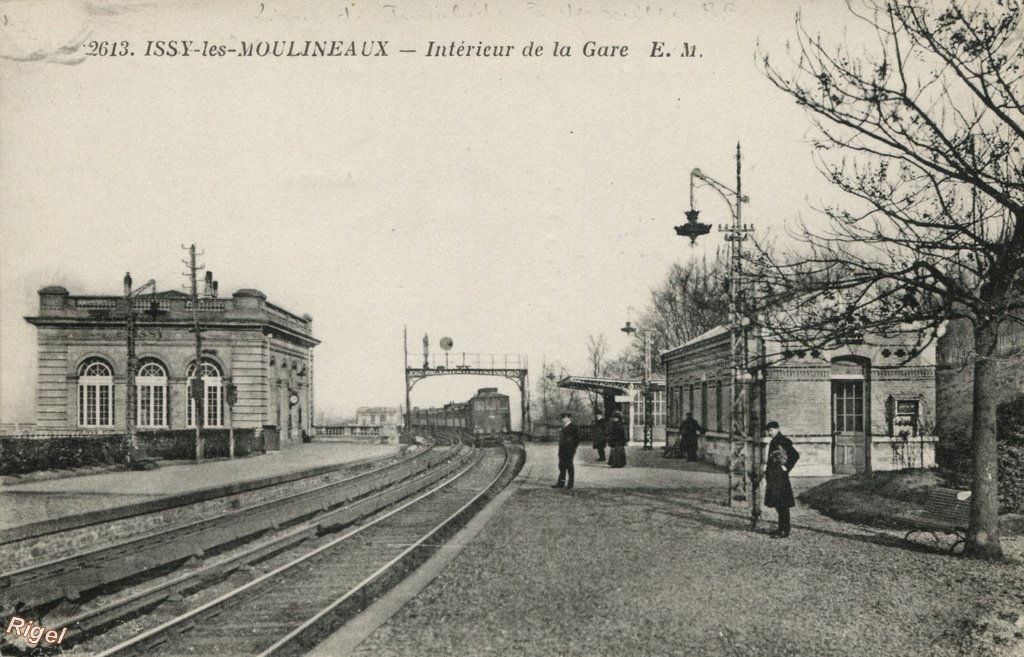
pixel 629 329
pixel 130 397
pixel 735 234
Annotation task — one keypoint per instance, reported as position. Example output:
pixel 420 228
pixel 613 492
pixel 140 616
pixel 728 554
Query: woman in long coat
pixel 616 432
pixel 778 494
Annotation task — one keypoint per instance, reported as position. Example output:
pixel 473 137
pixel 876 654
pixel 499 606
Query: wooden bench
pixel 139 460
pixel 945 510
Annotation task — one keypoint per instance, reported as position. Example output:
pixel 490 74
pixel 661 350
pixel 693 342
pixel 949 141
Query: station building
pixel 862 407
pixel 256 349
pixel 378 416
pixel 626 396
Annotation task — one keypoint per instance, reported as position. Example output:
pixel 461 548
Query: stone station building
pixel 262 351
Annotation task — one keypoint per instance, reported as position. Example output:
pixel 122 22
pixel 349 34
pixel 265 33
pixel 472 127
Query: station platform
pixel 32 507
pixel 644 469
pixel 633 490
pixel 649 560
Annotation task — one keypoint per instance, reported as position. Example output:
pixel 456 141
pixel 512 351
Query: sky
pixel 515 204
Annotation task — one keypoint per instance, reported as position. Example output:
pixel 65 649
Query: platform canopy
pixel 609 386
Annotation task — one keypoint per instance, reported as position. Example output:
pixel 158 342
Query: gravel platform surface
pixel 647 560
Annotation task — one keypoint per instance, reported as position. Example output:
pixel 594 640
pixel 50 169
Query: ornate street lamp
pixel 629 329
pixel 735 234
pixel 692 228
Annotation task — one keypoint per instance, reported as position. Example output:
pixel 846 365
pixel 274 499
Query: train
pixel 485 413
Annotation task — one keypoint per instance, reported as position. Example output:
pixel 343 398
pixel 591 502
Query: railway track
pixel 71 590
pixel 301 593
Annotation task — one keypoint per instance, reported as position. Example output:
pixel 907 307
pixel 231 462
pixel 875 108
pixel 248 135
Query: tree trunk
pixel 983 533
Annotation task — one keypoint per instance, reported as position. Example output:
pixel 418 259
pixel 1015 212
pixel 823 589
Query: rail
pixel 295 569
pixel 44 584
pixel 296 642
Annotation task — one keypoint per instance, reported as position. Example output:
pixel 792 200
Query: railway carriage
pixel 487 412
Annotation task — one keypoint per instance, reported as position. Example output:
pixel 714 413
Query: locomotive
pixel 486 412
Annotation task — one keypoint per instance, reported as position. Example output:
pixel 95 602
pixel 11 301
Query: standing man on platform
pixel 689 429
pixel 599 430
pixel 567 443
pixel 778 493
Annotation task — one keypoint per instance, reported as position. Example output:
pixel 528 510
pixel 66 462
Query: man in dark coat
pixel 599 429
pixel 689 430
pixel 567 443
pixel 782 456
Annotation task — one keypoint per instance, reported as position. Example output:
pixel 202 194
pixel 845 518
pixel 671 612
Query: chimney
pixel 127 284
pixel 216 285
pixel 208 285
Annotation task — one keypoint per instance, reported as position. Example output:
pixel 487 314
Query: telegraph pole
pixel 130 393
pixel 196 386
pixel 408 390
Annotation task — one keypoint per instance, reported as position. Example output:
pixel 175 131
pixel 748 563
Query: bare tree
pixel 554 400
pixel 691 300
pixel 923 125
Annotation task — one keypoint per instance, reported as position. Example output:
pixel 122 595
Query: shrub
pixel 1011 478
pixel 1010 422
pixel 954 453
pixel 25 454
pixel 22 454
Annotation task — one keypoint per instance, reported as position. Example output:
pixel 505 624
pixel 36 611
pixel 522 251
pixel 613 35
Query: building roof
pixel 245 309
pixel 706 335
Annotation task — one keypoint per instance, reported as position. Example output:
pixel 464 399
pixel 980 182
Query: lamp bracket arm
pixel 723 190
pixel 148 285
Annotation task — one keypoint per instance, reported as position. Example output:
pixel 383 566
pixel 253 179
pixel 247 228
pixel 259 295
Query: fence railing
pixel 142 303
pixel 208 304
pixel 464 361
pixel 42 434
pixel 349 430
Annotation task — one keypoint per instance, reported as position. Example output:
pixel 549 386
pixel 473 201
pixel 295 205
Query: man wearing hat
pixel 567 443
pixel 598 430
pixel 778 494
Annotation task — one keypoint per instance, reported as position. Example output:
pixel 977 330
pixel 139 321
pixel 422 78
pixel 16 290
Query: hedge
pixel 22 455
pixel 180 444
pixel 1011 478
pixel 954 455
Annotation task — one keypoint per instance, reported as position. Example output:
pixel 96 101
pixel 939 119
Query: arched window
pixel 95 393
pixel 213 395
pixel 151 394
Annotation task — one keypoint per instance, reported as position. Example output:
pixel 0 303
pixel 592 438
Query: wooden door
pixel 848 422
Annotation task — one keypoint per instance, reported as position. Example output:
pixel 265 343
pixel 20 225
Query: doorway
pixel 849 416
